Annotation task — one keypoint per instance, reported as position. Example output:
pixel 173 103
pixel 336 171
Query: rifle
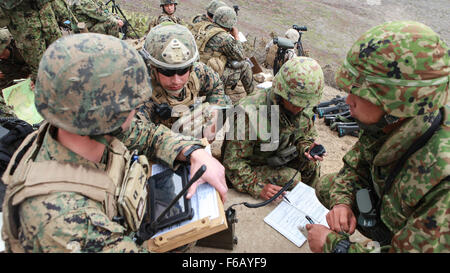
pixel 347 130
pixel 343 116
pixel 333 101
pixel 340 107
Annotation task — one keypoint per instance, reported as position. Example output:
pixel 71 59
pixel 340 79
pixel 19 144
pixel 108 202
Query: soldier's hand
pixel 317 236
pixel 269 191
pixel 341 219
pixel 214 175
pixel 120 23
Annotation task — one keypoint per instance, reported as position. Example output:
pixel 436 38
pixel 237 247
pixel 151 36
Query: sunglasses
pixel 171 72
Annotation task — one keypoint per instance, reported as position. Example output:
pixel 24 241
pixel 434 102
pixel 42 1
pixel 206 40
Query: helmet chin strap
pixel 379 126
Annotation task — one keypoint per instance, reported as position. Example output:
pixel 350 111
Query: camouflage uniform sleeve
pixel 352 176
pixel 70 222
pixel 63 12
pixel 211 85
pixel 231 48
pixel 426 230
pixel 95 11
pixel 157 142
pixel 308 131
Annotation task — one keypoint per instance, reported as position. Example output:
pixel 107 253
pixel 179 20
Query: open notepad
pixel 287 217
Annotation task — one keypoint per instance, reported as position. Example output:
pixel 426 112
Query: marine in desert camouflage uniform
pixel 397 77
pixel 34 25
pixel 177 78
pixel 296 89
pixel 169 8
pixel 96 16
pixel 86 75
pixel 223 51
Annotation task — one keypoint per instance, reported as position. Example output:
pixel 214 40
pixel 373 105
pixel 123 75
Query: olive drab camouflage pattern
pixel 5 39
pixel 171 46
pixel 246 163
pixel 9 4
pixel 225 17
pixel 393 71
pixel 69 77
pixel 34 26
pixel 96 16
pixel 401 67
pixel 168 2
pixel 300 81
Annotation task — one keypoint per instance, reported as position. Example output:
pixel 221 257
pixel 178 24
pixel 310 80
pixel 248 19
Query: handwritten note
pixel 287 217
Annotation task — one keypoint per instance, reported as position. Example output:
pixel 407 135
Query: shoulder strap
pixel 417 145
pixel 204 35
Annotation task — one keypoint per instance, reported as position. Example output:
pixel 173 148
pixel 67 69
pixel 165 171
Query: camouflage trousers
pixel 308 173
pixel 231 77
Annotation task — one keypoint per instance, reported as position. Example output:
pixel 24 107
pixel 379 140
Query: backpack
pixel 12 132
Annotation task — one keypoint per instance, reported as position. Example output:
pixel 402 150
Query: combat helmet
pixel 5 39
pixel 299 81
pixel 225 17
pixel 168 2
pixel 401 66
pixel 10 4
pixel 87 84
pixel 213 6
pixel 292 35
pixel 170 46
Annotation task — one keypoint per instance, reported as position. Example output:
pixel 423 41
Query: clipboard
pixel 191 230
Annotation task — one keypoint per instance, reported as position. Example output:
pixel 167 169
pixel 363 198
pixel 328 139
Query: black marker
pixel 309 220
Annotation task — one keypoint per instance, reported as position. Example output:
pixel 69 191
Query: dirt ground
pixel 253 234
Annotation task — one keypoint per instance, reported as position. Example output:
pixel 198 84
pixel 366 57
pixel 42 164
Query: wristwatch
pixel 342 246
pixel 189 151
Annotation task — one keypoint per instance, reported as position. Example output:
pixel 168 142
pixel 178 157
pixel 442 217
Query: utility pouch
pixel 132 199
pixel 283 157
pixel 369 222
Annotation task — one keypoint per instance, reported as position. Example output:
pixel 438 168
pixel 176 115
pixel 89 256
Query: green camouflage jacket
pixel 224 43
pixel 241 157
pixel 164 18
pixel 417 208
pixel 67 221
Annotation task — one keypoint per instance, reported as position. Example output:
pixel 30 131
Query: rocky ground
pixel 333 26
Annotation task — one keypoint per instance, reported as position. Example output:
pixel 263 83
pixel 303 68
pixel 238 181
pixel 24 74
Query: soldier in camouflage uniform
pixel 177 78
pixel 96 16
pixel 87 89
pixel 249 167
pixel 397 77
pixel 168 14
pixel 220 49
pixel 12 66
pixel 210 10
pixel 34 24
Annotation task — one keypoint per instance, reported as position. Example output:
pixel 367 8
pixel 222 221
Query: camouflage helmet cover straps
pixel 87 84
pixel 401 66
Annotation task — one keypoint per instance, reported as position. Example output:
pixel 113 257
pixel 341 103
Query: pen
pixel 309 220
pixel 286 199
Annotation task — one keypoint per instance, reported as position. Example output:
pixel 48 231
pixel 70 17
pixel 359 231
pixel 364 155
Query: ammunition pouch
pixel 369 221
pixel 132 199
pixel 283 157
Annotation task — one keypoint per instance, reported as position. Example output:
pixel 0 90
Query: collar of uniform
pixel 402 138
pixel 53 150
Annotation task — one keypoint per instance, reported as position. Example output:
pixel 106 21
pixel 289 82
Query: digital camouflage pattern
pixel 225 17
pixel 70 222
pixel 401 66
pixel 171 46
pixel 207 84
pixel 224 44
pixel 246 165
pixel 416 209
pixel 70 78
pixel 96 16
pixel 300 81
pixel 210 9
pixel 168 2
pixel 35 26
